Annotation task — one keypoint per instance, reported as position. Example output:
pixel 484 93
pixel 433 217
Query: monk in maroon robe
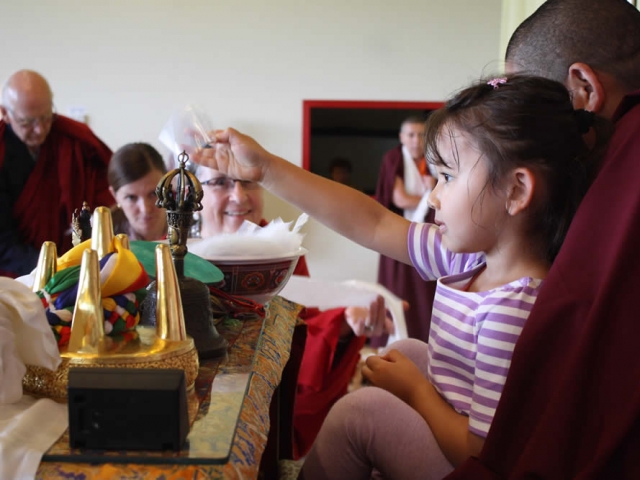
pixel 49 165
pixel 402 279
pixel 571 404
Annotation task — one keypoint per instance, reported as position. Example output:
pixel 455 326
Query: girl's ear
pixel 586 89
pixel 113 193
pixel 520 190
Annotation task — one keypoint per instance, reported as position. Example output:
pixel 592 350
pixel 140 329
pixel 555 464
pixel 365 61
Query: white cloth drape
pixel 414 185
pixel 28 427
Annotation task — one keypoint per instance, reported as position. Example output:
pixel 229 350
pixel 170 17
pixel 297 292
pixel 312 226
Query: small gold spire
pixel 87 326
pixel 124 240
pixel 47 266
pixel 169 314
pixel 102 234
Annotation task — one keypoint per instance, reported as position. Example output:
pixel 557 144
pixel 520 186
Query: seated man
pixel 570 406
pixel 49 165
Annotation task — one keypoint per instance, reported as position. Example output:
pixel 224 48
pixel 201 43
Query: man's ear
pixel 4 115
pixel 520 190
pixel 586 89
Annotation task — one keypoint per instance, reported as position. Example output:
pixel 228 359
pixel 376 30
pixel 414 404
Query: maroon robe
pixel 571 404
pixel 71 168
pixel 402 279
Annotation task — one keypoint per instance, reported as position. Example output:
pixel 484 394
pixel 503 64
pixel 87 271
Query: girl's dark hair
pixel 528 122
pixel 132 162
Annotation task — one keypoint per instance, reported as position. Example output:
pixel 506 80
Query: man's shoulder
pixel 81 133
pixel 394 154
pixel 72 128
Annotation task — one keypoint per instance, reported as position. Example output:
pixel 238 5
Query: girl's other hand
pixel 396 374
pixel 236 155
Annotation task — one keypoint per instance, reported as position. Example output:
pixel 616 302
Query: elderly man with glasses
pixel 49 165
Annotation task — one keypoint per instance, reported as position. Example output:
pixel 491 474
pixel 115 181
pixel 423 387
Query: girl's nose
pixel 432 200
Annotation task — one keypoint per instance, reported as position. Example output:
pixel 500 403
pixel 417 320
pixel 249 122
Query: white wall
pixel 249 64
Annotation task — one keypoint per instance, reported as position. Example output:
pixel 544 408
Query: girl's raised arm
pixel 347 211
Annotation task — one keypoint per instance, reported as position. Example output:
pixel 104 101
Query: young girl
pixel 512 168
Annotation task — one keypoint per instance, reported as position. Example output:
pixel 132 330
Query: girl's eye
pixel 131 198
pixel 446 177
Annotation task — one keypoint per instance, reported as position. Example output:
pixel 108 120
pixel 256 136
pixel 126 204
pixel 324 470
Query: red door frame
pixel 307 105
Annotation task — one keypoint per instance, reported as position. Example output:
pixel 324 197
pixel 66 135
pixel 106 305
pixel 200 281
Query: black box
pixel 127 409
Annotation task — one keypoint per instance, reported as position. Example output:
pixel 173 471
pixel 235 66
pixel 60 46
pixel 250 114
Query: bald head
pixel 27 105
pixel 604 34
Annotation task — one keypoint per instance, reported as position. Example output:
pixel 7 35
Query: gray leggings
pixel 371 432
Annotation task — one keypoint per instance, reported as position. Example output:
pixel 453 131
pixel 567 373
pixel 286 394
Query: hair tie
pixel 584 119
pixel 496 82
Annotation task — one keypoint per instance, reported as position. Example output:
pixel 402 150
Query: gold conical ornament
pixel 124 240
pixel 102 232
pixel 169 314
pixel 47 265
pixel 87 326
pixel 163 346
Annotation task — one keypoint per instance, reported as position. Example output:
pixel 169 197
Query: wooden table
pixel 230 405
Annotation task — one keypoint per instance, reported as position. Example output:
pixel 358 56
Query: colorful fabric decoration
pixel 123 280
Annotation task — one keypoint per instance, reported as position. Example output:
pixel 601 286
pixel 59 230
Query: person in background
pixel 403 181
pixel 134 172
pixel 334 337
pixel 49 166
pixel 512 168
pixel 570 406
pixel 340 170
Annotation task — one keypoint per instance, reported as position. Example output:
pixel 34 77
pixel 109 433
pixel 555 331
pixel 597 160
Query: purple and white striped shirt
pixel 473 334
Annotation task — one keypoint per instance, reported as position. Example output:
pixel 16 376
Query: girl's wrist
pixel 421 392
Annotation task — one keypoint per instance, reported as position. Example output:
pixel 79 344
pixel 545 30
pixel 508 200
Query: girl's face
pixel 138 202
pixel 227 202
pixel 468 210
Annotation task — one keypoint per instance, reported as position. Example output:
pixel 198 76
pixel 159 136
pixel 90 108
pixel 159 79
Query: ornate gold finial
pixel 102 234
pixel 87 326
pixel 47 265
pixel 124 240
pixel 169 314
pixel 195 302
pixel 180 204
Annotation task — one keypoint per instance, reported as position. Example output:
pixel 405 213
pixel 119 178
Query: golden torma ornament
pixel 165 346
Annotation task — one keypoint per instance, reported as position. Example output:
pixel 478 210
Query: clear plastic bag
pixel 187 130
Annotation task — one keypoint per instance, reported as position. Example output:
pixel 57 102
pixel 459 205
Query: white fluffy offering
pixel 278 239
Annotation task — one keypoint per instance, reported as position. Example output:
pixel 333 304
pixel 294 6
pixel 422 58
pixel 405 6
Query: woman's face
pixel 227 202
pixel 138 202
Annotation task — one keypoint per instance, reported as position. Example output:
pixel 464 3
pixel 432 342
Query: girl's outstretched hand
pixel 396 374
pixel 236 155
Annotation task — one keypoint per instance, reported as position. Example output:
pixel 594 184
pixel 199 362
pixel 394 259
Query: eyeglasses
pixel 32 122
pixel 228 183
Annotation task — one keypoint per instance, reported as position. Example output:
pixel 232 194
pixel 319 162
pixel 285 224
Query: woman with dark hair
pixel 134 172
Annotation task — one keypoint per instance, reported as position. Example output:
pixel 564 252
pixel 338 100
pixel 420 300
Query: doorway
pixel 360 132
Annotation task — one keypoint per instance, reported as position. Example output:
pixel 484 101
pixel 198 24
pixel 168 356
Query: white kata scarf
pixel 414 185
